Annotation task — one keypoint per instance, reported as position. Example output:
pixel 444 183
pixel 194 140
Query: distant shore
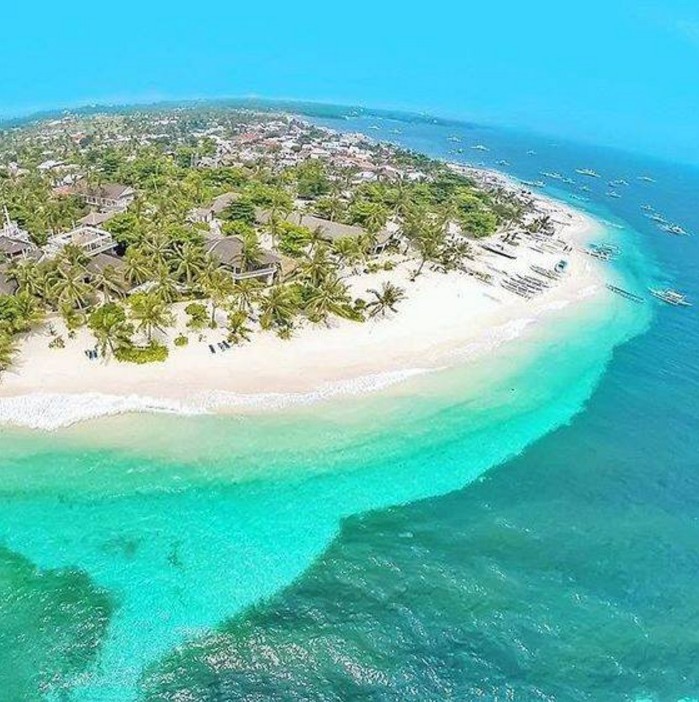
pixel 447 319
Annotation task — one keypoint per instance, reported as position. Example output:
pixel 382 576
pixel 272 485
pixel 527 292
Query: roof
pixel 227 250
pixel 222 201
pixel 12 247
pixel 94 219
pixel 98 263
pixel 331 231
pixel 107 191
pixel 7 285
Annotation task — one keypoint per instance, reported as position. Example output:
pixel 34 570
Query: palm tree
pixel 151 313
pixel 385 299
pixel 8 349
pixel 238 329
pixel 351 250
pixel 27 310
pixel 330 297
pixel 138 266
pixel 111 328
pixel 110 282
pixel 245 294
pixel 278 308
pixel 166 287
pixel 218 287
pixel 69 287
pixel 191 262
pixel 315 268
pixel 251 251
pixel 28 276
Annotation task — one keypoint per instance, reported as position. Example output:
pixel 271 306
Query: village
pixel 137 234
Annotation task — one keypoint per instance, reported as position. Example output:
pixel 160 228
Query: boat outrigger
pixel 625 294
pixel 671 297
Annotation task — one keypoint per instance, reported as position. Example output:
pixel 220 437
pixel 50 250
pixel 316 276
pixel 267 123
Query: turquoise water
pixel 361 550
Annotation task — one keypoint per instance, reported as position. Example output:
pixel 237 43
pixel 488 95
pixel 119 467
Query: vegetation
pixel 163 255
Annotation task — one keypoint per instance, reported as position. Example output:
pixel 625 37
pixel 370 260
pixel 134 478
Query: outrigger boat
pixel 671 297
pixel 626 294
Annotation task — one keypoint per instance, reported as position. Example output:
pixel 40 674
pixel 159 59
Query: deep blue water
pixel 569 573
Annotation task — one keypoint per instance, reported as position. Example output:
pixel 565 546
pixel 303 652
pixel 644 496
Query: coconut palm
pixel 8 349
pixel 315 268
pixel 278 308
pixel 151 313
pixel 245 294
pixel 385 299
pixel 238 329
pixel 68 287
pixel 191 262
pixel 165 287
pixel 28 276
pixel 218 287
pixel 27 311
pixel 330 297
pixel 110 328
pixel 110 282
pixel 138 266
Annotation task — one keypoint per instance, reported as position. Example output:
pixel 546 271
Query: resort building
pixel 227 251
pixel 91 240
pixel 111 196
pixel 209 213
pixel 332 231
pixel 14 241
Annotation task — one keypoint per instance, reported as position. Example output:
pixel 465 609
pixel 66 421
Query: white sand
pixel 445 319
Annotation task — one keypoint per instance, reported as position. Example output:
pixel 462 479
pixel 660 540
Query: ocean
pixel 520 527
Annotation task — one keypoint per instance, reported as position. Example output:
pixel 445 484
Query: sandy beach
pixel 446 319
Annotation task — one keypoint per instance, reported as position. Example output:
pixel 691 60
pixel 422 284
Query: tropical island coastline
pixel 235 261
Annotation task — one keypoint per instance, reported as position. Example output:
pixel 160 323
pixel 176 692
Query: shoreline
pixel 446 320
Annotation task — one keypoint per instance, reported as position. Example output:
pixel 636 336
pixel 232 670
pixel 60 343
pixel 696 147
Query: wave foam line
pixel 52 411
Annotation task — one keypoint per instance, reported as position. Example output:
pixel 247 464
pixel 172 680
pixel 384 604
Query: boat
pixel 647 208
pixel 499 249
pixel 569 181
pixel 625 293
pixel 617 183
pixel 480 147
pixel 502 162
pixel 553 176
pixel 531 152
pixel 646 179
pixel 588 172
pixel 671 297
pixel 454 138
pixel 611 193
pixel 675 229
pixel 534 183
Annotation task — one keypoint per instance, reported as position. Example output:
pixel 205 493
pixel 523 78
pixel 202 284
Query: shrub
pixel 153 353
pixel 181 340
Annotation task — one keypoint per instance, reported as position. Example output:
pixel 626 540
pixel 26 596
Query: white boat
pixel 502 162
pixel 646 179
pixel 553 176
pixel 480 147
pixel 611 193
pixel 588 172
pixel 676 229
pixel 671 297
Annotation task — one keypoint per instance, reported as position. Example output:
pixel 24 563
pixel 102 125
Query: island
pixel 198 259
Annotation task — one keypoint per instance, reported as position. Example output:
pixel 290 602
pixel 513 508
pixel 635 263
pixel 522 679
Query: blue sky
pixel 607 71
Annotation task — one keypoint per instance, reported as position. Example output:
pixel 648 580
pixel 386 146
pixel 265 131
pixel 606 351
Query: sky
pixel 611 72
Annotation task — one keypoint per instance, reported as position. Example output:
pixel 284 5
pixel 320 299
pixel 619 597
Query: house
pixel 96 219
pixel 227 252
pixel 91 240
pixel 110 196
pixel 209 213
pixel 11 249
pixel 14 241
pixel 332 231
pixel 8 286
pixel 100 261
